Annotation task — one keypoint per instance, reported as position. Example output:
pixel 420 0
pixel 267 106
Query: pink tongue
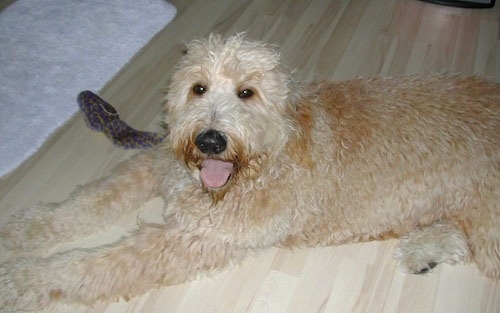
pixel 215 173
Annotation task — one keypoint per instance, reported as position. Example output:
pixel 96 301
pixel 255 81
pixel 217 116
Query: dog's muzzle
pixel 214 173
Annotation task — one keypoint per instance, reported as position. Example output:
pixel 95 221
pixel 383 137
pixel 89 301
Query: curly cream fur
pixel 317 164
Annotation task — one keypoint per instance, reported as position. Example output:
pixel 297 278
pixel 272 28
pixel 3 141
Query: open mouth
pixel 215 173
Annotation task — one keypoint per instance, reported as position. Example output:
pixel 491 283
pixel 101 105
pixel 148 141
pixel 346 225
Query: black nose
pixel 211 142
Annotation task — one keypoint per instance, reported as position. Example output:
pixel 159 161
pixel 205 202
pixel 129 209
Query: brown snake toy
pixel 103 117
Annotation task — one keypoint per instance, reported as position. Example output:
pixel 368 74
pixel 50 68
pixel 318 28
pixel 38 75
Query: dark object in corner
pixel 464 4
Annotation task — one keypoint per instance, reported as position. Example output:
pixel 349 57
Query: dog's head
pixel 230 108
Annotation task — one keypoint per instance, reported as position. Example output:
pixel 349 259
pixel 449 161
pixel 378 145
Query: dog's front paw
pixel 423 249
pixel 19 290
pixel 30 230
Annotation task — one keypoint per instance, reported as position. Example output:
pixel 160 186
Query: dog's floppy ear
pixel 299 146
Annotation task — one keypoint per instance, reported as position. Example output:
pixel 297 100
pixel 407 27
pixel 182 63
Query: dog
pixel 254 158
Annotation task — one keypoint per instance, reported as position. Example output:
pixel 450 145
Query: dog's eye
pixel 199 89
pixel 245 93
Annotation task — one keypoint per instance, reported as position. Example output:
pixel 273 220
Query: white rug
pixel 50 50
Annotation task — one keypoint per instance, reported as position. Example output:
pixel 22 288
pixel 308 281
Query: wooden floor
pixel 320 39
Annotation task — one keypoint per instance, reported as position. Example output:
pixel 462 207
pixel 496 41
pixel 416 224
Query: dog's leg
pixel 156 254
pixel 88 209
pixel 486 252
pixel 484 239
pixel 485 244
pixel 422 249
